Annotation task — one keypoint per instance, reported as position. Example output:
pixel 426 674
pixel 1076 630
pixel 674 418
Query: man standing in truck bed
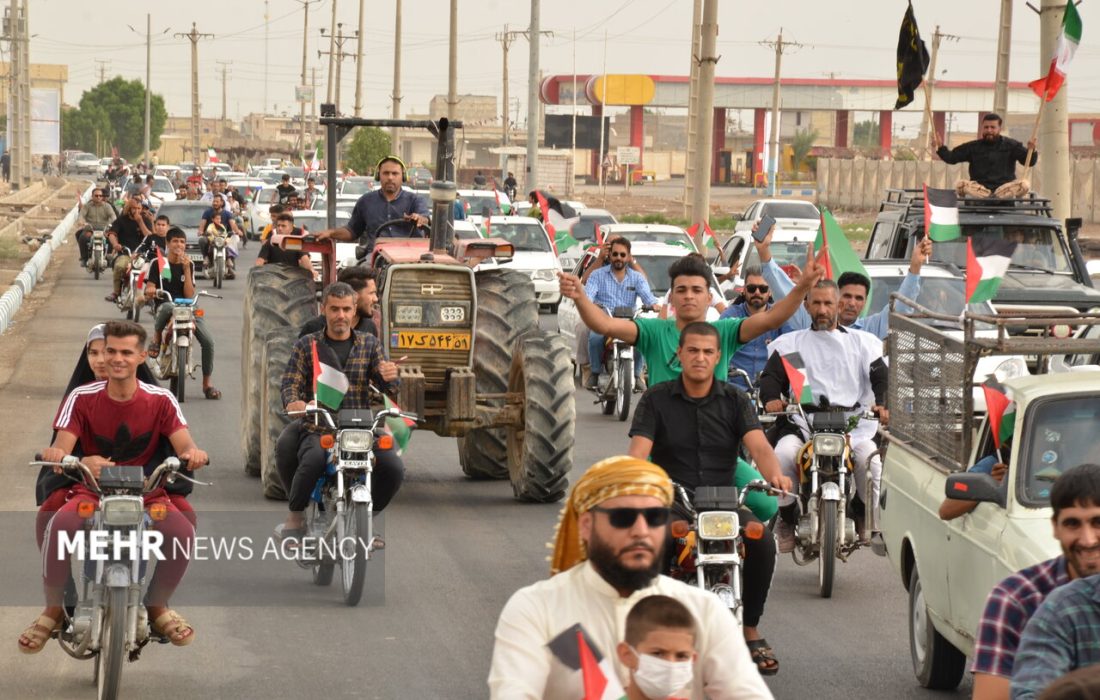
pixel 992 160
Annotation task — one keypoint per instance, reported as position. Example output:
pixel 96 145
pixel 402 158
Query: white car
pixel 635 233
pixel 788 214
pixel 162 191
pixel 654 258
pixel 104 163
pixel 84 163
pixel 352 188
pixel 311 221
pixel 788 247
pixel 534 255
pixel 474 203
pixel 465 230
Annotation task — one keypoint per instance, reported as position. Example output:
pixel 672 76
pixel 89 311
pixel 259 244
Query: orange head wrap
pixel 606 479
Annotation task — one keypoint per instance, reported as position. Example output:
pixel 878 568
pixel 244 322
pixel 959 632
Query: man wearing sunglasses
pixel 607 556
pixel 694 427
pixel 753 355
pixel 98 214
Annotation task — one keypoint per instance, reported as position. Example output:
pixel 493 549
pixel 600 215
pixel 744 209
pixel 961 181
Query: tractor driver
pixel 390 201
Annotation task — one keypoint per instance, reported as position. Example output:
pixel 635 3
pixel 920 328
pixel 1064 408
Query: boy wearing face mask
pixel 659 648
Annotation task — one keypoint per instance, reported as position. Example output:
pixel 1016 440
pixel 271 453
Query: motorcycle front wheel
pixel 97 262
pixel 624 389
pixel 108 663
pixel 219 272
pixel 182 357
pixel 324 568
pixel 353 558
pixel 826 558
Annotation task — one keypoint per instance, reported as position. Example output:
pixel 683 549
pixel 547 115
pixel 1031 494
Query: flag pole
pixel 926 147
pixel 1034 135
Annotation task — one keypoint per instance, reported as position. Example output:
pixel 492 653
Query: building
pixel 43 75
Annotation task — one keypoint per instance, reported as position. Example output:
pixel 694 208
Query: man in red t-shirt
pixel 120 420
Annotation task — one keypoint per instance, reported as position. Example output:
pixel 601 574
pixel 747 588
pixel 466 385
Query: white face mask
pixel 658 678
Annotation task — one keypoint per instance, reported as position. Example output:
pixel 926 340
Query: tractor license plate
pixel 429 340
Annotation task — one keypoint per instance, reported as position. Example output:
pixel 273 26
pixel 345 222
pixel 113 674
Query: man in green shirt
pixel 658 339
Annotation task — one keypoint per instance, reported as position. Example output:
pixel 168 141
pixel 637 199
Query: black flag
pixel 912 59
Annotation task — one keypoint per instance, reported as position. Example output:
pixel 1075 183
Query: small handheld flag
pixel 941 214
pixel 796 376
pixel 163 266
pixel 987 261
pixel 329 383
pixel 710 241
pixel 576 650
pixel 1001 411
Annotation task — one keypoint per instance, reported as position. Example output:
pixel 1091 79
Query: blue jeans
pixel 595 356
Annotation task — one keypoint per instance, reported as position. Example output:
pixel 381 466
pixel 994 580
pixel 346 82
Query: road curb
pixel 12 300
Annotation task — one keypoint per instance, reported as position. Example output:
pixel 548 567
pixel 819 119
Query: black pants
pixel 757 568
pixel 84 242
pixel 300 460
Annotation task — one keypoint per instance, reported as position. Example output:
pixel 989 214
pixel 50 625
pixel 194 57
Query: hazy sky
pixel 852 38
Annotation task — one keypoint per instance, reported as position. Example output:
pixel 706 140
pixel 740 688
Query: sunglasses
pixel 619 255
pixel 753 288
pixel 623 518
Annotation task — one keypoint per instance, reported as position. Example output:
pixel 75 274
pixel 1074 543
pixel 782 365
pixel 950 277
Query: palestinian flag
pixel 563 240
pixel 987 261
pixel 400 428
pixel 941 214
pixel 1047 86
pixel 710 241
pixel 544 210
pixel 1001 411
pixel 329 382
pixel 912 58
pixel 163 266
pixel 836 254
pixel 575 648
pixel 796 376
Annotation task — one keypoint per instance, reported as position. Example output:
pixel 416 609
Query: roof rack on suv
pixel 909 199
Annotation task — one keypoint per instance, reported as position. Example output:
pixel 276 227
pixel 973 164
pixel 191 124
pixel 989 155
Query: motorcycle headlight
pixel 181 313
pixel 719 525
pixel 219 241
pixel 122 510
pixel 356 440
pixel 828 445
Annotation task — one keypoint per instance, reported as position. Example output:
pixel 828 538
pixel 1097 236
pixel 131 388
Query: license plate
pixel 429 340
pixel 197 257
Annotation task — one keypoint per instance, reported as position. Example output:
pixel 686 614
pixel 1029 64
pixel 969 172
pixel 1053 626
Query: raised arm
pixel 592 315
pixel 782 310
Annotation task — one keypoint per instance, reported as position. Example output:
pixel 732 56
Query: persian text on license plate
pixel 429 340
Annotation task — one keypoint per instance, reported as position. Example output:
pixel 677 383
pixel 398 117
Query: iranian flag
pixel 710 241
pixel 212 156
pixel 1001 411
pixel 163 266
pixel 1047 86
pixel 575 648
pixel 987 261
pixel 836 254
pixel 400 428
pixel 796 377
pixel 941 214
pixel 314 163
pixel 329 383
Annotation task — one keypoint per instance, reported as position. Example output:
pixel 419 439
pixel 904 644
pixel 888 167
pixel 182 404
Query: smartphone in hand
pixel 764 227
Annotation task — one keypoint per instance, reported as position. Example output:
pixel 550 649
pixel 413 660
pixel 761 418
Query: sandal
pixel 211 393
pixel 153 350
pixel 174 628
pixel 763 657
pixel 37 634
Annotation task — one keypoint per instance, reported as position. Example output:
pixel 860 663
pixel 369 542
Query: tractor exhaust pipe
pixel 443 201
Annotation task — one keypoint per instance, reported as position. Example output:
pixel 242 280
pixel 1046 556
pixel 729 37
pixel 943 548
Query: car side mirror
pixel 982 488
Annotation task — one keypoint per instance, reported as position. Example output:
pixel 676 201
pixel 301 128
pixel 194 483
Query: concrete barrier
pixel 35 269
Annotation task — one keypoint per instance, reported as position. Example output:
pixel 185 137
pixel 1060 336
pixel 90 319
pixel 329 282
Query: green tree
pixel 116 109
pixel 801 145
pixel 865 133
pixel 368 145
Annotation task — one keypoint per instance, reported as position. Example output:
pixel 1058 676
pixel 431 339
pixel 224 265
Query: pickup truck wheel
pixel 936 662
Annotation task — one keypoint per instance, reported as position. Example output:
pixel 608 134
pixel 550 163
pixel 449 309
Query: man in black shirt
pixel 273 254
pixel 361 279
pixel 992 160
pixel 285 189
pixel 179 282
pixel 159 239
pixel 127 231
pixel 693 428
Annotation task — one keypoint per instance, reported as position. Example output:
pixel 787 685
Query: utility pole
pixel 693 97
pixel 313 106
pixel 359 63
pixel 704 121
pixel 266 55
pixel 339 40
pixel 1053 124
pixel 1004 48
pixel 19 149
pixel 452 64
pixel 395 96
pixel 772 156
pixel 225 68
pixel 331 53
pixel 937 36
pixel 103 65
pixel 194 37
pixel 532 174
pixel 302 103
pixel 148 77
pixel 506 38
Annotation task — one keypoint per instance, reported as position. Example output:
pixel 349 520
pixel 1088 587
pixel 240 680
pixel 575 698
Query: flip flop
pixel 153 350
pixel 211 393
pixel 763 657
pixel 38 634
pixel 171 625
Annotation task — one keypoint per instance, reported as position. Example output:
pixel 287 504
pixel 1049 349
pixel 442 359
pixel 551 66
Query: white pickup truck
pixel 950 567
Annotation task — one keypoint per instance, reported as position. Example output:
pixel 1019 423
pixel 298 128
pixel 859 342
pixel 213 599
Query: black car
pixel 187 215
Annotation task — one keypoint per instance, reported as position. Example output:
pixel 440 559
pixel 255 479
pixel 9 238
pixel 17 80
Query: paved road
pixel 456 551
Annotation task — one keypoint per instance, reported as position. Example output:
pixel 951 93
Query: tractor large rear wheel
pixel 276 296
pixel 506 311
pixel 276 353
pixel 540 448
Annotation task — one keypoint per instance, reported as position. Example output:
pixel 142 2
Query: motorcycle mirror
pixel 680 528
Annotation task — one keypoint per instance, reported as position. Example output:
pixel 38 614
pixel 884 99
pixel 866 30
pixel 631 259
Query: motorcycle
pixel 826 528
pixel 218 245
pixel 339 516
pixel 108 621
pixel 132 298
pixel 173 362
pixel 707 548
pixel 97 260
pixel 614 395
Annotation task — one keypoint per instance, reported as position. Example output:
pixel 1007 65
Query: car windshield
pixel 585 228
pixel 791 210
pixel 318 222
pixel 163 186
pixel 674 237
pixel 656 271
pixel 1054 443
pixel 1037 247
pixel 355 187
pixel 475 205
pixel 525 237
pixel 186 216
pixel 943 295
pixel 783 252
pixel 295 172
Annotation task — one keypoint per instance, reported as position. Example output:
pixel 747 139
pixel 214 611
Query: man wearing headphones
pixel 376 207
